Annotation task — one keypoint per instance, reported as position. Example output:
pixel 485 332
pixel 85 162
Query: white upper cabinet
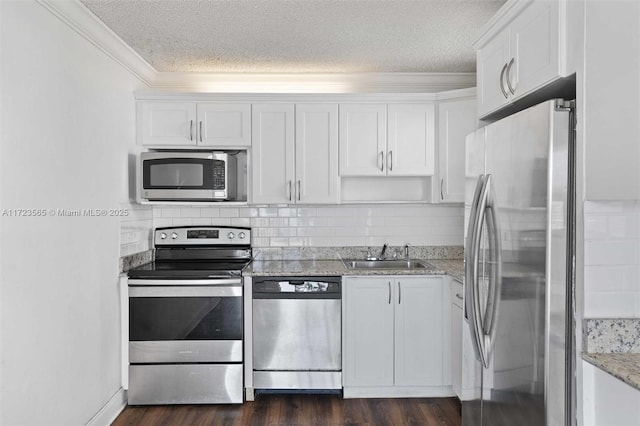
pixel 178 124
pixel 363 139
pixel 273 153
pixel 521 51
pixel 491 67
pixel 295 153
pixel 316 152
pixel 411 140
pixel 224 124
pixel 387 140
pixel 456 119
pixel 167 123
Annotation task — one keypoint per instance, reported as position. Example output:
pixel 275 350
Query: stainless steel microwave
pixel 188 176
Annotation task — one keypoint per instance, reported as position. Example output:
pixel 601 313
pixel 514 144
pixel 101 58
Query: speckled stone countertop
pixel 323 267
pixel 613 345
pixel 625 366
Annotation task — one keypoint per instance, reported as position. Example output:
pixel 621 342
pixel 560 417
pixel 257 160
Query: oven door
pixel 185 324
pixel 183 175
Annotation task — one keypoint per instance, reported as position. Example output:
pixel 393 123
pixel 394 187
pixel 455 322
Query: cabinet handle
pixel 191 130
pixel 389 292
pixel 290 191
pixel 200 130
pixel 441 192
pixel 381 161
pixel 458 296
pixel 390 161
pixel 504 92
pixel 511 88
pixel 399 292
pixel 299 190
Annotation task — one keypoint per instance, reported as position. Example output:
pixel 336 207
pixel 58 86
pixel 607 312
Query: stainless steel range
pixel 186 318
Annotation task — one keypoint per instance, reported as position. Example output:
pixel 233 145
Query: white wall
pixel 330 226
pixel 67 124
pixel 612 259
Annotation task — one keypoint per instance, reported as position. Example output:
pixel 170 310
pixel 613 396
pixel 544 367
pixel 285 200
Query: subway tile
pixel 625 226
pixel 307 211
pixel 279 242
pixel 287 212
pixel 248 212
pixel 229 212
pixel 190 212
pixel 631 278
pixel 170 212
pixel 241 222
pixel 210 212
pixel 611 252
pixel 201 221
pixel 611 305
pixel 268 212
pixel 603 278
pixel 258 222
pixel 278 222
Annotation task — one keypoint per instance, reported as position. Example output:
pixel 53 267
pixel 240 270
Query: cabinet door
pixel 491 60
pixel 317 154
pixel 534 47
pixel 363 139
pixel 224 125
pixel 419 332
pixel 273 153
pixel 166 123
pixel 456 119
pixel 368 337
pixel 411 140
pixel 456 339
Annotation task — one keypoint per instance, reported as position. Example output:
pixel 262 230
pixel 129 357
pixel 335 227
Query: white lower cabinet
pixel 396 336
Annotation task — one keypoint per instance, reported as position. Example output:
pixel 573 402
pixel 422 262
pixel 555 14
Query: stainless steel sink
pixel 386 264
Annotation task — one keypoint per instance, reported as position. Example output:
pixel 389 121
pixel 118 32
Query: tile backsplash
pixel 135 229
pixel 612 259
pixel 329 226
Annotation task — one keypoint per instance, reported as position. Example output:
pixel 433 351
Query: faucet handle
pixel 406 251
pixel 369 255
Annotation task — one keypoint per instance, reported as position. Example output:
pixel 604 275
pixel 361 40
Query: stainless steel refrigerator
pixel 519 267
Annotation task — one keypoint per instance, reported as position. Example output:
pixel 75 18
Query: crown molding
pixel 86 24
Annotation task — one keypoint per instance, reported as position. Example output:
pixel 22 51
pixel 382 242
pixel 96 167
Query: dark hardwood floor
pixel 270 409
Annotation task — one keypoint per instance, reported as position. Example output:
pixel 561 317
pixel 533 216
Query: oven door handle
pixel 186 283
pixel 184 291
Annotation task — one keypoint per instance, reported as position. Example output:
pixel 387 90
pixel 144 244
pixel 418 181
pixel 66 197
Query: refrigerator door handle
pixel 495 267
pixel 471 269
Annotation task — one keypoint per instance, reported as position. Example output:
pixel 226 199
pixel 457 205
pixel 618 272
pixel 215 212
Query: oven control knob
pixel 231 235
pixel 174 235
pixel 163 236
pixel 241 235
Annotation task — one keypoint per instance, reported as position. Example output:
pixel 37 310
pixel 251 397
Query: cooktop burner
pixel 197 252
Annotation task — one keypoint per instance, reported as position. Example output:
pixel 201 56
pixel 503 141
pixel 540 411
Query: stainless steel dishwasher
pixel 297 333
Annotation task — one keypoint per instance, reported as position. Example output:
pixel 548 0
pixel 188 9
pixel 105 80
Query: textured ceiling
pixel 294 36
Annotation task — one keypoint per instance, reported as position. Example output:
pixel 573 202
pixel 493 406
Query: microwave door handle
pixel 191 130
pixel 200 130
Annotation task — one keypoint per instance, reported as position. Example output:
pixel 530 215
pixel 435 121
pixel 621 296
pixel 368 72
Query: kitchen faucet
pixel 382 252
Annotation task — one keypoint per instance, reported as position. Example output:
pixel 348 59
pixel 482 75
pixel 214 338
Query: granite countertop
pixel 321 267
pixel 624 366
pixel 613 345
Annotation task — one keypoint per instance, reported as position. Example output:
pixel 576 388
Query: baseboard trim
pixel 110 410
pixel 398 392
